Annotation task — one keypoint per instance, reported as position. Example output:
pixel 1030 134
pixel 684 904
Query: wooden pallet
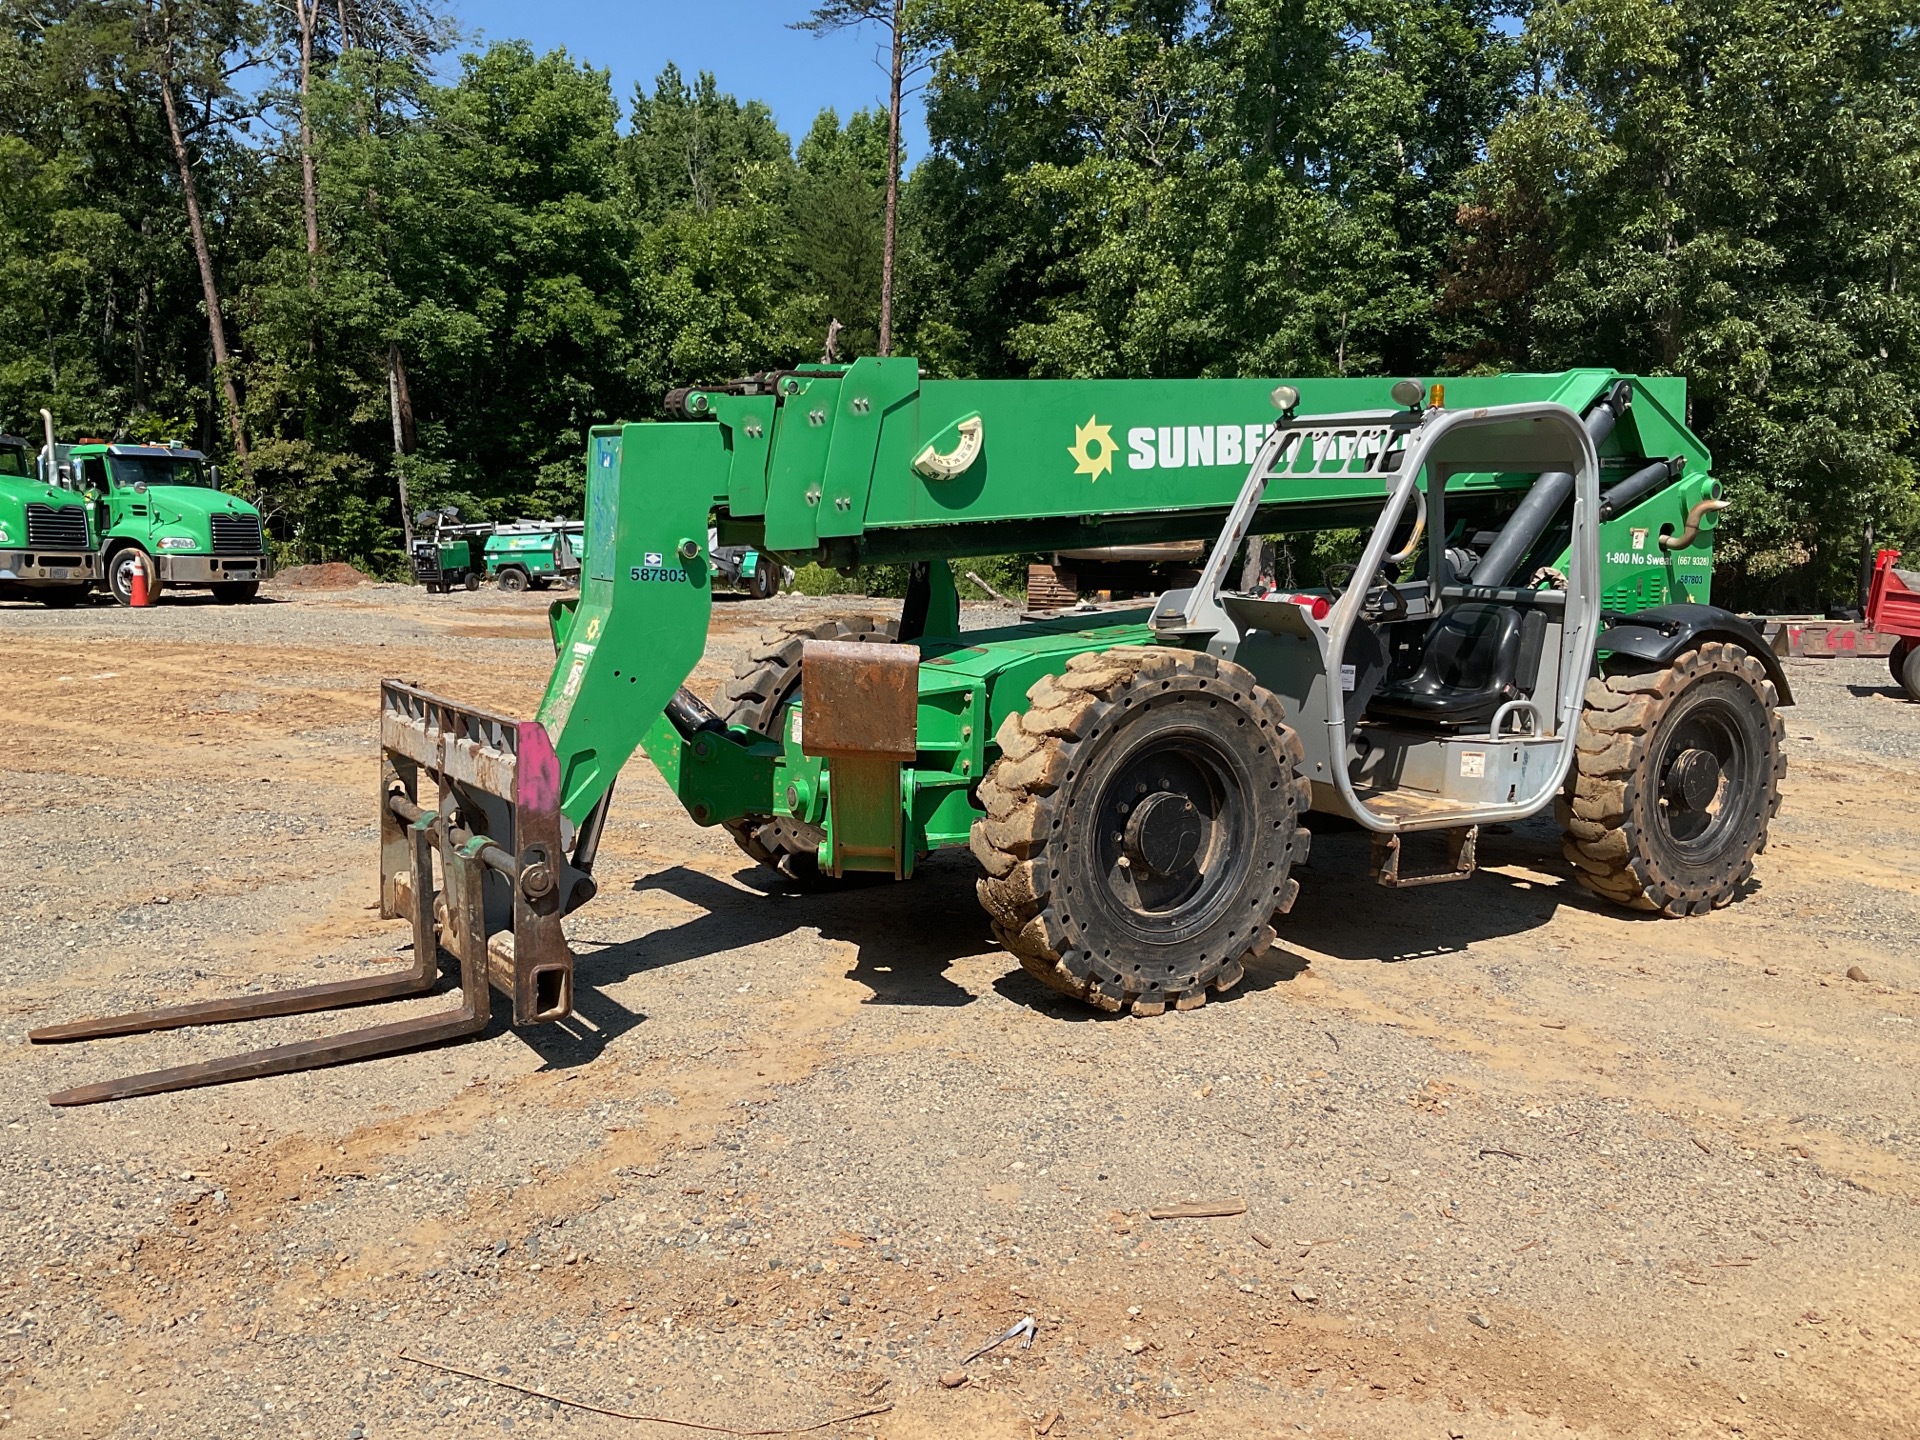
pixel 1051 587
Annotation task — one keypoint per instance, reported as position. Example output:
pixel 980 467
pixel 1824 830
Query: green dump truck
pixel 159 509
pixel 47 550
pixel 534 554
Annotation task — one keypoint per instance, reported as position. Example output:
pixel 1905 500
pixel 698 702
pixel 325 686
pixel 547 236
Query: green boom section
pixel 868 463
pixel 640 624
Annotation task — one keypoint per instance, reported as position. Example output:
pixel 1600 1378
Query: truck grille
pixel 236 534
pixel 57 527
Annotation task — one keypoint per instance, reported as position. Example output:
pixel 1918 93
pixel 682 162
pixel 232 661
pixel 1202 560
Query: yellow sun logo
pixel 1092 448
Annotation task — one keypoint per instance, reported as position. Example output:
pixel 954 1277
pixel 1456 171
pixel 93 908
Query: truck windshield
pixel 156 470
pixel 13 461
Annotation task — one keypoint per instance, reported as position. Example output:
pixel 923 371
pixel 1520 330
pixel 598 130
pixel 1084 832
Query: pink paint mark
pixel 537 776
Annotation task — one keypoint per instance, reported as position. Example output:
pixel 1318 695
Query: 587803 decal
pixel 656 571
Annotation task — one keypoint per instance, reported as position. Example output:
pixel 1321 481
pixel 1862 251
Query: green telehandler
pixel 1524 626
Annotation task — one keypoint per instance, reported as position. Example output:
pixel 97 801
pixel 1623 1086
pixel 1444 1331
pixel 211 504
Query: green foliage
pixel 1724 189
pixel 1005 573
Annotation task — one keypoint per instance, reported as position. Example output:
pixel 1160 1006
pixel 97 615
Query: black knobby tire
pixel 1905 664
pixel 757 697
pixel 1677 774
pixel 1141 825
pixel 120 574
pixel 236 592
pixel 512 579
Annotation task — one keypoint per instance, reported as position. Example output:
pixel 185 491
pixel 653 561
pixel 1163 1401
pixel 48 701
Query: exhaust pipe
pixel 1541 503
pixel 49 470
pixel 1687 536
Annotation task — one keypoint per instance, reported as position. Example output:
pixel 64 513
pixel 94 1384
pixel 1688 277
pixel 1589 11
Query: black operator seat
pixel 1477 656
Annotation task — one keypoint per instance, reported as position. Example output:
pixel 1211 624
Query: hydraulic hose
pixel 1542 502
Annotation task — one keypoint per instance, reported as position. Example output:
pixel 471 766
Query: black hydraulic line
pixel 1543 501
pixel 1640 484
pixel 587 844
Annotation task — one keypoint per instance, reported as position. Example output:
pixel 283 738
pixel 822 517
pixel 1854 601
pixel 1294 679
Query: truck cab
pixel 47 549
pixel 159 509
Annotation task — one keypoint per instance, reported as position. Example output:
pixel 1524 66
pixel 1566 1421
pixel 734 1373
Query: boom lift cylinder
pixel 1544 500
pixel 1625 494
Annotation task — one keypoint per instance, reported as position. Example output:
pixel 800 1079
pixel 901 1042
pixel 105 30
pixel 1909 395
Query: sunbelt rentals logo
pixel 1165 447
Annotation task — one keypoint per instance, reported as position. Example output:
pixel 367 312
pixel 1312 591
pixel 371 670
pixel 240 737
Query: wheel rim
pixel 1705 768
pixel 1174 836
pixel 123 569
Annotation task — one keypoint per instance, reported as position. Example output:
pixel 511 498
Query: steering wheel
pixel 1383 600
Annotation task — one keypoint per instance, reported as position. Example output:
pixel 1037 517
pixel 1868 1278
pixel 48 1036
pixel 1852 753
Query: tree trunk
pixel 401 404
pixel 307 13
pixel 210 291
pixel 143 300
pixel 893 188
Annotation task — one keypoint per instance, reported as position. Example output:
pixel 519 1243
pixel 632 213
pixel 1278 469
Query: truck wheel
pixel 472 582
pixel 513 578
pixel 766 580
pixel 757 697
pixel 61 597
pixel 1141 823
pixel 236 592
pixel 120 574
pixel 1677 773
pixel 1905 664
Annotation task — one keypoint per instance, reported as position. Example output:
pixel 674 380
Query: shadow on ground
pixel 907 937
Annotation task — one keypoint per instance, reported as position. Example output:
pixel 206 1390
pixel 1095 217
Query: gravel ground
pixel 1513 1164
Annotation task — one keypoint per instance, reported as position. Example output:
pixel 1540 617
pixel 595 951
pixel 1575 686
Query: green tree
pixel 1162 188
pixel 1726 190
pixel 837 225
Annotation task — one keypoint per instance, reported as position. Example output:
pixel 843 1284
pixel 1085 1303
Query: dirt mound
pixel 335 575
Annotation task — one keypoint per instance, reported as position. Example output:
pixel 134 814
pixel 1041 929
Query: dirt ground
pixel 1513 1164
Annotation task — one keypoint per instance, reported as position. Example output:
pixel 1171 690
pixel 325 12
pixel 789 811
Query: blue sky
pixel 745 43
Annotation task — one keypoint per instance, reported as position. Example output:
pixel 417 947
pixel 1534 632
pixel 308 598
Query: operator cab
pixel 1432 690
